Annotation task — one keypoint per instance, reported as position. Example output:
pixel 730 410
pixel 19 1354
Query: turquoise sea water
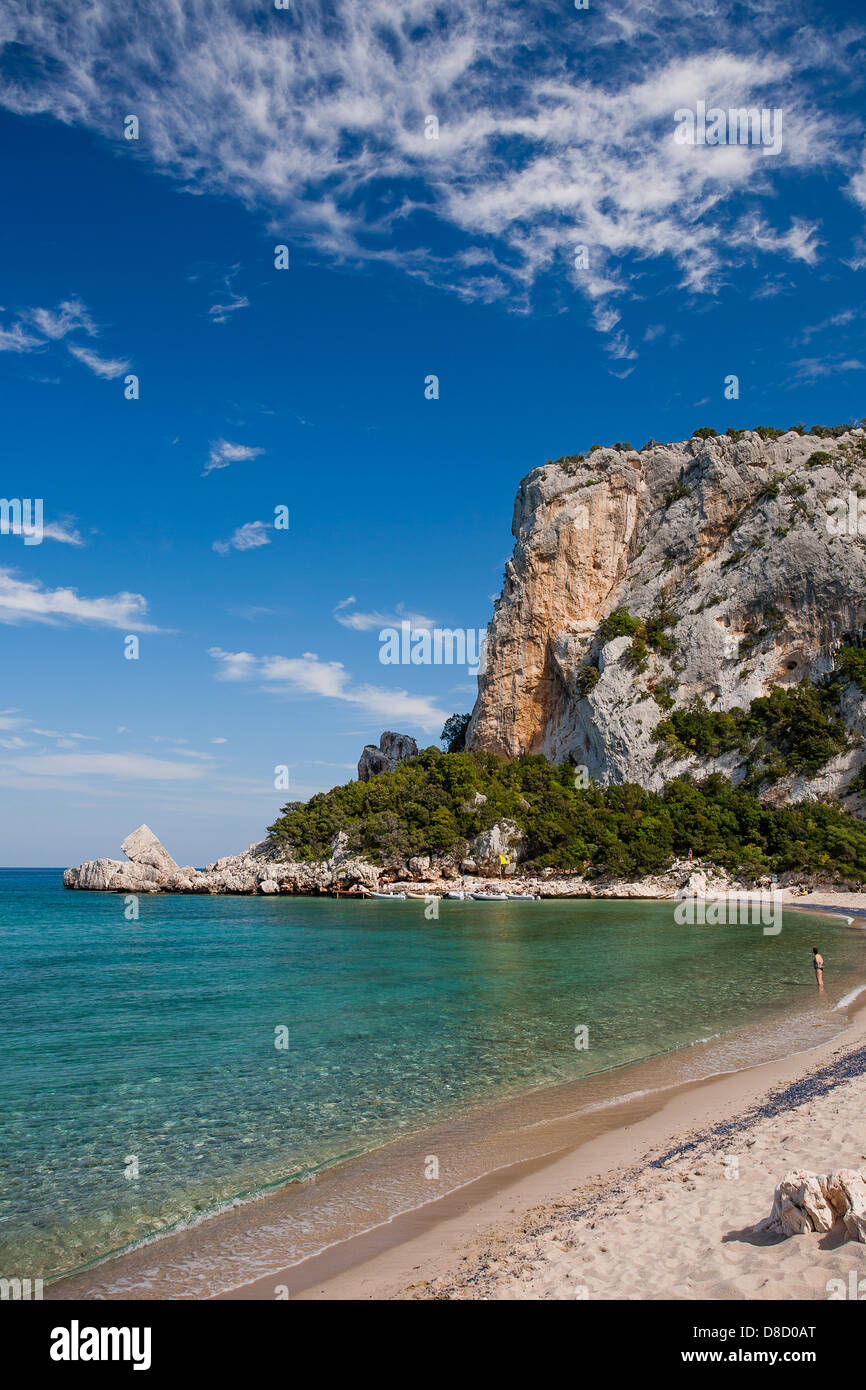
pixel 149 1045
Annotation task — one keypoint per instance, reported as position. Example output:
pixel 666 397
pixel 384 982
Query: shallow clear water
pixel 156 1038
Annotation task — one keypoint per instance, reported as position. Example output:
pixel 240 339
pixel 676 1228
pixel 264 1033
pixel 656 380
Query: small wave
pixel 849 997
pixel 612 1100
pixel 190 1220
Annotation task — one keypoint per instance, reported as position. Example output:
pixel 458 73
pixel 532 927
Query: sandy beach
pixel 677 1223
pixel 681 1225
pixel 661 1206
pixel 640 1183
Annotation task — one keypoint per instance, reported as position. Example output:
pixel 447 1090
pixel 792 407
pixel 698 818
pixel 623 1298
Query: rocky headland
pixel 680 610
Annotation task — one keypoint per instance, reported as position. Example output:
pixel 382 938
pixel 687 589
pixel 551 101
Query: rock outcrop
pixel 739 540
pixel 393 748
pixel 142 847
pixel 502 840
pixel 805 1202
pixel 260 869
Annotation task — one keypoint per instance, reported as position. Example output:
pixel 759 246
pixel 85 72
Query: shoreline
pixel 683 879
pixel 499 1144
pixel 459 1247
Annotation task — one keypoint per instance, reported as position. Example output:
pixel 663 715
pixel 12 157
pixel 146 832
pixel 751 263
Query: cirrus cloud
pixel 223 453
pixel 549 132
pixel 247 537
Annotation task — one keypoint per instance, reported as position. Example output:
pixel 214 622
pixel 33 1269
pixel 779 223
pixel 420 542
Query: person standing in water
pixel 818 963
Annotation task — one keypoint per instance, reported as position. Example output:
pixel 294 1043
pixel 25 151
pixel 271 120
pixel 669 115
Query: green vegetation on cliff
pixel 426 807
pixel 789 731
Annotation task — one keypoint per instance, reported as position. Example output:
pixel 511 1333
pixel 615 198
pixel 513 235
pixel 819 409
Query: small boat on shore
pixel 392 897
pixel 459 897
pixel 504 897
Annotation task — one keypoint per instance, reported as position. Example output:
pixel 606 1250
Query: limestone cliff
pixel 732 540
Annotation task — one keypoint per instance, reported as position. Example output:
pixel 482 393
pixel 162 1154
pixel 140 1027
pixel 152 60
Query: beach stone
pixel 846 1191
pixel 143 847
pixel 805 1202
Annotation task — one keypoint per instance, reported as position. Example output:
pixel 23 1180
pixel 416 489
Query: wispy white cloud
pixel 546 138
pixel 221 313
pixel 52 325
pixel 307 675
pixel 811 368
pixel 56 323
pixel 133 767
pixel 223 453
pixel 27 600
pixel 56 733
pixel 62 531
pixel 346 613
pixel 109 367
pixel 17 339
pixel 839 320
pixel 247 537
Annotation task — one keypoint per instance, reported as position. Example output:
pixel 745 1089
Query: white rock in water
pixel 142 847
pixel 93 873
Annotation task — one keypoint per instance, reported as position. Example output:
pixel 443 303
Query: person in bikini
pixel 818 964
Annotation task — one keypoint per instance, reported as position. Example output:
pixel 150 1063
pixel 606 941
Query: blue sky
pixel 304 388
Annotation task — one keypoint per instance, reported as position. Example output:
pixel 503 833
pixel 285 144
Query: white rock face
pixel 505 837
pixel 142 847
pixel 734 537
pixel 94 873
pixel 257 870
pixel 805 1202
